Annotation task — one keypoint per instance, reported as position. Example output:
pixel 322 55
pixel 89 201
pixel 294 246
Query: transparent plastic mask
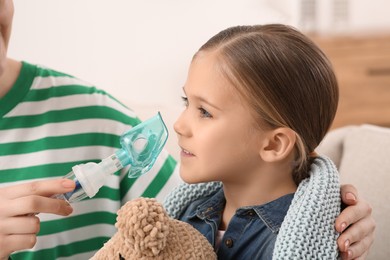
pixel 141 146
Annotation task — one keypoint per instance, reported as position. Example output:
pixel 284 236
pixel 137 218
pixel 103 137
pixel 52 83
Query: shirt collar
pixel 271 213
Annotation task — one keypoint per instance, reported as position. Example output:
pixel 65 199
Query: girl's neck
pixel 268 186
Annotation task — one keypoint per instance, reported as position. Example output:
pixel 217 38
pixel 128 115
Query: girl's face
pixel 216 132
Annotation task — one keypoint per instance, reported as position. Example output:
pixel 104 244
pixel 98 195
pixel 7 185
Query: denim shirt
pixel 252 231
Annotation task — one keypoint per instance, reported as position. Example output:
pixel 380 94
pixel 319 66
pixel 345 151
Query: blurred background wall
pixel 139 50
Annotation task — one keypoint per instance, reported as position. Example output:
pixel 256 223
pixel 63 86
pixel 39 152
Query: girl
pixel 259 99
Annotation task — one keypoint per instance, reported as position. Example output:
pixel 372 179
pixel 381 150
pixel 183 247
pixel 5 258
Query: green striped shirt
pixel 51 121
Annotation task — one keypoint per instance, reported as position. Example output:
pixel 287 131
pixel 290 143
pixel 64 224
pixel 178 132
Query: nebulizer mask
pixel 140 147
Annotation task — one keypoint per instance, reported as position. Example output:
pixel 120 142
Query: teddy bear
pixel 145 231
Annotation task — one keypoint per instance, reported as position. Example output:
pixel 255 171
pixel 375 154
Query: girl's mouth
pixel 186 153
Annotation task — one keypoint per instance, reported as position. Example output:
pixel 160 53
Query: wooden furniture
pixel 362 66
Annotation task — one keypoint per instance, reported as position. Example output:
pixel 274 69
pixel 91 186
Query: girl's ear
pixel 278 144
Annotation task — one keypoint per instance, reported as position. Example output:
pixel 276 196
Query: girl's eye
pixel 185 101
pixel 204 113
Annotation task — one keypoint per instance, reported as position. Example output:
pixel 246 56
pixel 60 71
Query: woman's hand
pixel 355 224
pixel 19 205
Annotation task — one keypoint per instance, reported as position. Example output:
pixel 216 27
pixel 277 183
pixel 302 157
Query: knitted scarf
pixel 307 231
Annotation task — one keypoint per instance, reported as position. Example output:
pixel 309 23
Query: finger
pixel 362 257
pixel 349 194
pixel 352 214
pixel 20 225
pixel 43 188
pixel 344 255
pixel 349 255
pixel 355 234
pixel 38 204
pixel 359 249
pixel 12 243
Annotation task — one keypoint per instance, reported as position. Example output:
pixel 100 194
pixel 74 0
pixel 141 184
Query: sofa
pixel 362 155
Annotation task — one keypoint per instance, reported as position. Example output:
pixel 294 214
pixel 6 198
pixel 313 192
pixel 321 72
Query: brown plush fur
pixel 145 231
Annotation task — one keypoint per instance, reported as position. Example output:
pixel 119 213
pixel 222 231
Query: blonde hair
pixel 286 79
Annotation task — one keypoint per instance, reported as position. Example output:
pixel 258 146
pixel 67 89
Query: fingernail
pixel 343 226
pixel 67 183
pixel 350 196
pixel 68 209
pixel 346 244
pixel 349 254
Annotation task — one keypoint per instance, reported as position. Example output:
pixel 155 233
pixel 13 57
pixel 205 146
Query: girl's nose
pixel 180 126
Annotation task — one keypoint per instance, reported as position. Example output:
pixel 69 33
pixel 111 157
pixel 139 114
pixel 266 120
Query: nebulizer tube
pixel 141 146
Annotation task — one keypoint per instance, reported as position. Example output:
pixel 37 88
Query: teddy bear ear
pixel 144 226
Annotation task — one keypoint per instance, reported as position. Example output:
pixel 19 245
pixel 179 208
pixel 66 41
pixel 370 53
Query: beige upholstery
pixel 362 155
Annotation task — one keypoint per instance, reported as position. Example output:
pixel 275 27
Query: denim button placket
pixel 229 242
